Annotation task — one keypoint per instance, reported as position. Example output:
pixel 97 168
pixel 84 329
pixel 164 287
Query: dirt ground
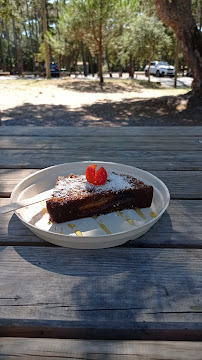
pixel 74 102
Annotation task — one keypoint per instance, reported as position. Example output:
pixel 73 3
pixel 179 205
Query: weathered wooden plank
pixel 104 131
pixel 81 143
pixel 148 160
pixel 181 184
pixel 13 232
pixel 118 293
pixel 13 348
pixel 9 178
pixel 173 331
pixel 180 226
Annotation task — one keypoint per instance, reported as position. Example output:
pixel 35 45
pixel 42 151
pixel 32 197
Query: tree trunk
pixel 119 62
pixel 47 55
pixel 200 15
pixel 16 45
pixel 39 21
pixel 76 56
pixel 21 64
pixel 25 30
pixel 176 63
pixel 100 53
pixel 68 63
pixel 148 71
pixel 18 50
pixel 178 15
pixel 183 69
pixel 36 28
pixel 9 47
pixel 2 53
pixel 108 64
pixel 67 59
pixel 120 69
pixel 58 33
pixel 84 59
pixel 31 38
pixel 59 61
pixel 91 63
pixel 131 68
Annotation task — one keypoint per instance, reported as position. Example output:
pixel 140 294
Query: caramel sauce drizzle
pixel 103 226
pixel 121 214
pixel 61 231
pixel 140 213
pixel 153 214
pixel 76 231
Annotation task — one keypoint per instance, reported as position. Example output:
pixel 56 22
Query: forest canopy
pixel 107 36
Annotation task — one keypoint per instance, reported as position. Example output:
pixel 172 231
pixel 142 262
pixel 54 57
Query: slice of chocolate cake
pixel 74 197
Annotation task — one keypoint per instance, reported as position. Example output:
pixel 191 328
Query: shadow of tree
pixel 167 110
pixel 36 256
pixel 109 86
pixel 42 115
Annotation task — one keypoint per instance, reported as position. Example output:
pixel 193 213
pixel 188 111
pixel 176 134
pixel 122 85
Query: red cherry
pixel 96 178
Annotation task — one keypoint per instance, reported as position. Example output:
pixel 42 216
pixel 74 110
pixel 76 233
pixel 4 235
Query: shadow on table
pixel 99 285
pixel 19 235
pixel 2 248
pixel 124 283
pixel 65 260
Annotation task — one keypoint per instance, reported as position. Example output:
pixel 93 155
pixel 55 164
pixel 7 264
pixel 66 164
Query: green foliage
pixel 81 21
pixel 124 29
pixel 40 56
pixel 150 38
pixel 140 36
pixel 20 28
pixel 197 12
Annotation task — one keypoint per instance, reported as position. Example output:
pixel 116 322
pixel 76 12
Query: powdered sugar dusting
pixel 78 186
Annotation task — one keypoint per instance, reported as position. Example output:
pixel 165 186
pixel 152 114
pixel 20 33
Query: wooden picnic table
pixel 141 299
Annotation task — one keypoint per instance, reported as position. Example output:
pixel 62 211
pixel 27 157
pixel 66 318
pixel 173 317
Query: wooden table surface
pixel 134 301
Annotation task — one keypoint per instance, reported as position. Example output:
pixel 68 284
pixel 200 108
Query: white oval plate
pixel 89 233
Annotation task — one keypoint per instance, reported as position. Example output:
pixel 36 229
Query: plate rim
pixel 105 236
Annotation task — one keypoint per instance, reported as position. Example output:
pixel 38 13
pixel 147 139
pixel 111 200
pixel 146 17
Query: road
pixel 182 82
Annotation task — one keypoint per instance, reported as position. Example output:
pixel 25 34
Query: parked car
pixel 54 69
pixel 160 68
